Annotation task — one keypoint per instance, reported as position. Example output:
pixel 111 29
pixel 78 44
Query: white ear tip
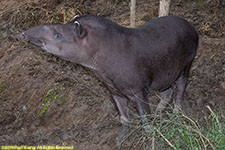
pixel 76 22
pixel 76 16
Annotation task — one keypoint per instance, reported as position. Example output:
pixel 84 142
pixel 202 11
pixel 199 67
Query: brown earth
pixel 80 110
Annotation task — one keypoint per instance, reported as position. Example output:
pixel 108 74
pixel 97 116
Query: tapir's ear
pixel 81 31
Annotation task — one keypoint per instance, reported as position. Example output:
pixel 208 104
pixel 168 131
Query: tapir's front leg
pixel 122 105
pixel 139 97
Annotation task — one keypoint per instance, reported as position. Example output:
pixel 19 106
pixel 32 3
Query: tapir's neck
pixel 91 62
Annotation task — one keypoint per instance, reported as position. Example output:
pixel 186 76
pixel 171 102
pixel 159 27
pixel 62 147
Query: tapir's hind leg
pixel 122 105
pixel 166 97
pixel 181 84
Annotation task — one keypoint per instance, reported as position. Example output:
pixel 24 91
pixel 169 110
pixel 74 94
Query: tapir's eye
pixel 58 36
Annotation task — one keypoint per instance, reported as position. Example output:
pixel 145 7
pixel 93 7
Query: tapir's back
pixel 167 32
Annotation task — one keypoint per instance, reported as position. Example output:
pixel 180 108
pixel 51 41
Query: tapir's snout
pixel 33 39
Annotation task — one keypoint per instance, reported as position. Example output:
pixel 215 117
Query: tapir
pixel 129 61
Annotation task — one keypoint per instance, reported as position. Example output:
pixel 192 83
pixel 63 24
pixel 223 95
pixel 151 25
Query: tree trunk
pixel 164 6
pixel 132 13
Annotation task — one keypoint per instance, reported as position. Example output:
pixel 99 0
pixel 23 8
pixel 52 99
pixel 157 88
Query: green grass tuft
pixel 178 132
pixel 51 95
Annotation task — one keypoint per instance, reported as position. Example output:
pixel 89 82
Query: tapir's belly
pixel 164 78
pixel 163 82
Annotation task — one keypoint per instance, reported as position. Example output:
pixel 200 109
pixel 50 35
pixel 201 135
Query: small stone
pixel 222 85
pixel 65 136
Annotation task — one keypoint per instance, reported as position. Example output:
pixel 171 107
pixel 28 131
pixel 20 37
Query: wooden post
pixel 132 13
pixel 164 6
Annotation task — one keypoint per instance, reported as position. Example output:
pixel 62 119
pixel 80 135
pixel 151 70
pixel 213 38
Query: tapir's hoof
pixel 149 145
pixel 122 137
pixel 119 140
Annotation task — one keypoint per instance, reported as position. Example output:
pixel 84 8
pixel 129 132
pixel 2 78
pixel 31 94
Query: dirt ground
pixel 45 100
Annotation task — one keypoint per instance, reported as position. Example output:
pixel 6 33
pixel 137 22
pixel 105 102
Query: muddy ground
pixel 48 101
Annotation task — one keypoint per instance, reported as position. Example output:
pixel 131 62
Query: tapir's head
pixel 65 40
